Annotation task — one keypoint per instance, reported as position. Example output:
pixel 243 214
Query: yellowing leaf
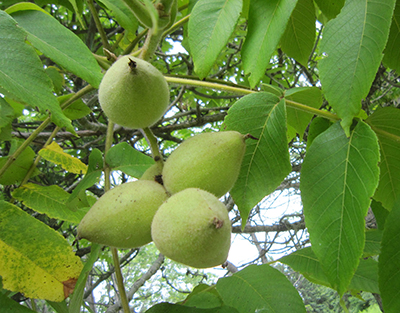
pixel 54 153
pixel 34 259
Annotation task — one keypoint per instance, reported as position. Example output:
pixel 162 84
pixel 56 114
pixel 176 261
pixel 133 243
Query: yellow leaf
pixel 34 259
pixel 54 153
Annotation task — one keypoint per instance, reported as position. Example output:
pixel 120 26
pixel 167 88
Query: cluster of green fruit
pixel 176 207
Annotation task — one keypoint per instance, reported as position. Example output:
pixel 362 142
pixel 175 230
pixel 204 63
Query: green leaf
pixel 19 168
pixel 298 39
pixel 204 297
pixel 389 262
pixel 373 238
pixel 385 123
pixel 380 213
pixel 392 51
pixel 310 96
pixel 54 153
pixel 177 308
pixel 6 113
pixel 56 77
pixel 338 177
pixel 260 289
pixel 59 44
pixel 26 81
pixel 123 14
pixel 266 161
pixel 267 23
pixel 317 127
pixel 353 43
pixel 125 158
pixel 305 262
pixel 211 24
pixel 330 8
pixel 49 200
pixel 35 259
pixel 8 305
pixel 93 174
pixel 76 300
pixel 76 109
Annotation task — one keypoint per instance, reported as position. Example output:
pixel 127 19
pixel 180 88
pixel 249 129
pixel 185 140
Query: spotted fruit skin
pixel 122 216
pixel 133 93
pixel 192 227
pixel 209 161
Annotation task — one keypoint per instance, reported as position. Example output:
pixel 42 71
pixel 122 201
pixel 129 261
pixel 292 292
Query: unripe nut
pixel 192 227
pixel 122 217
pixel 133 93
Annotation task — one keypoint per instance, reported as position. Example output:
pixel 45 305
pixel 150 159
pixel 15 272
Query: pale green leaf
pixel 59 44
pixel 392 50
pixel 76 109
pixel 353 43
pixel 330 8
pixel 25 81
pixel 266 25
pixel 339 175
pixel 310 96
pixel 35 259
pixel 54 153
pixel 211 24
pixel 49 200
pixel 125 158
pixel 266 161
pixel 389 262
pixel 385 123
pixel 298 39
pixel 260 289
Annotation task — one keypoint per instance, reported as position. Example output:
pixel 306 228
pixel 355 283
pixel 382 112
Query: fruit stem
pixel 120 281
pixel 155 152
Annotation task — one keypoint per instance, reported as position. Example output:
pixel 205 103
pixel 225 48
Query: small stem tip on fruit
pixel 218 223
pixel 250 136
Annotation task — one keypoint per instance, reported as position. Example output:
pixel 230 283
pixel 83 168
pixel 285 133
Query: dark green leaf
pixel 76 109
pixel 204 297
pixel 392 50
pixel 380 214
pixel 338 177
pixel 298 40
pixel 267 23
pixel 330 8
pixel 389 262
pixel 260 289
pixel 211 24
pixel 266 161
pixel 8 305
pixel 385 123
pixel 125 158
pixel 123 14
pixel 353 43
pixel 177 308
pixel 373 238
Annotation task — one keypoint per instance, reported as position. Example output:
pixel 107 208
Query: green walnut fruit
pixel 122 216
pixel 192 227
pixel 152 173
pixel 133 93
pixel 209 161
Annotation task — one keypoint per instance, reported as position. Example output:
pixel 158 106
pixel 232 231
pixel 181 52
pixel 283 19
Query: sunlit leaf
pixel 260 289
pixel 35 259
pixel 54 153
pixel 353 43
pixel 338 177
pixel 266 161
